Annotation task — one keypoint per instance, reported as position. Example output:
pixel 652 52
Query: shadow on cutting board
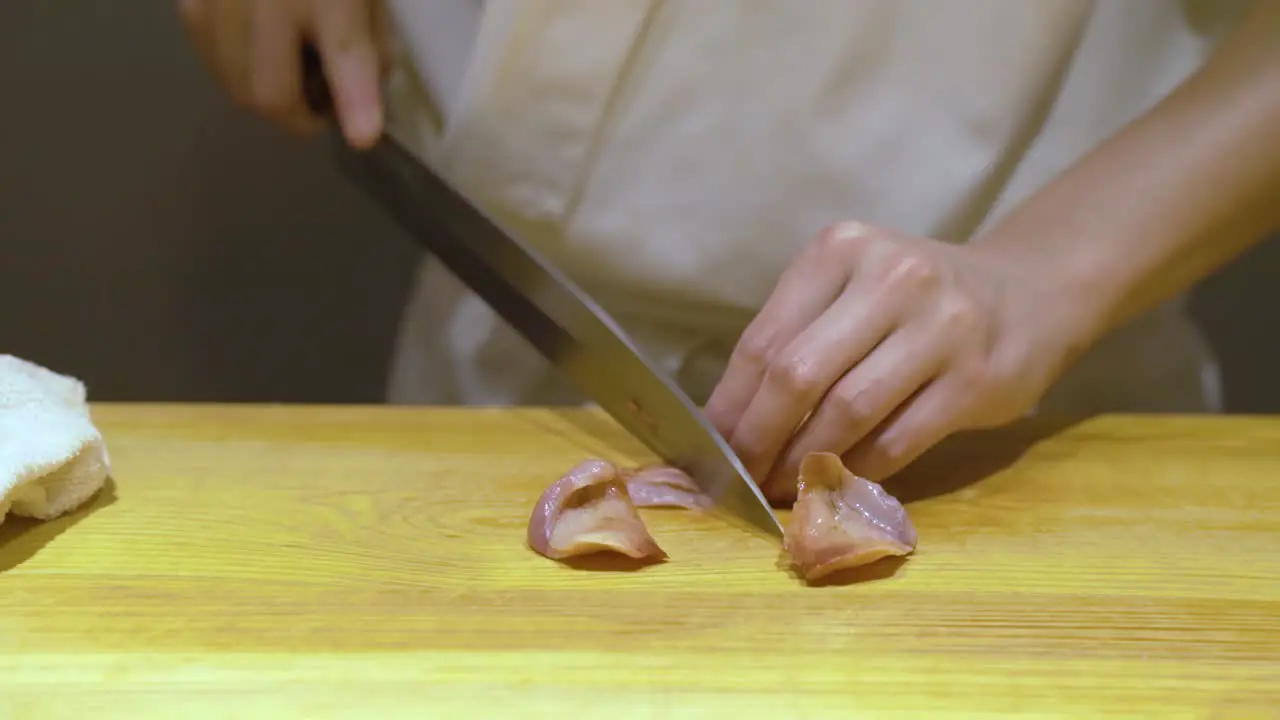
pixel 610 562
pixel 21 538
pixel 967 458
pixel 882 569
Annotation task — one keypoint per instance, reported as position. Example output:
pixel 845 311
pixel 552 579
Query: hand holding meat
pixel 876 346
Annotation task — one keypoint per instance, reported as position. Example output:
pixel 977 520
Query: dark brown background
pixel 163 246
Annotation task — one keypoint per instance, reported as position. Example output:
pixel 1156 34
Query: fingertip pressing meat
pixel 589 510
pixel 842 521
pixel 664 486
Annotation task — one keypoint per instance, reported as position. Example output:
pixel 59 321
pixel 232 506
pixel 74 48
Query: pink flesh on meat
pixel 842 521
pixel 663 486
pixel 590 510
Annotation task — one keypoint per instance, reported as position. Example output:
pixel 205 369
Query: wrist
pixel 1066 297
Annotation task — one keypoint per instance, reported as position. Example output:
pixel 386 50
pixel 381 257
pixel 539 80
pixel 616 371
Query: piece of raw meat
pixel 664 486
pixel 841 521
pixel 590 510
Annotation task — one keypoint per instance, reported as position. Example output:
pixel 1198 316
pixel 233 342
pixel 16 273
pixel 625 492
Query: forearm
pixel 1178 193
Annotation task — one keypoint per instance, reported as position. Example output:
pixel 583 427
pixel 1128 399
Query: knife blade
pixel 557 317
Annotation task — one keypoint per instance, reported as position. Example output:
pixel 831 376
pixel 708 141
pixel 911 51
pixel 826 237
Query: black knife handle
pixel 315 88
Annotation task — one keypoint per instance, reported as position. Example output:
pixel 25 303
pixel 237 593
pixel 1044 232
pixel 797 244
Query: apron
pixel 674 156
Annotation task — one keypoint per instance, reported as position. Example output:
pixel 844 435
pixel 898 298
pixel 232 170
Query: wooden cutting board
pixel 318 562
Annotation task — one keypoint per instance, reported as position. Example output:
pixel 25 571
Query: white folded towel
pixel 52 458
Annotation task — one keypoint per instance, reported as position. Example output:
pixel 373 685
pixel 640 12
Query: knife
pixel 560 320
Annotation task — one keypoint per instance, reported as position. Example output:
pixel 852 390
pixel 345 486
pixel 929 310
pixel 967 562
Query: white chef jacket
pixel 674 156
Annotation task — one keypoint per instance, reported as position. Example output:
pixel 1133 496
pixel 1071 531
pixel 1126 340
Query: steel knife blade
pixel 550 311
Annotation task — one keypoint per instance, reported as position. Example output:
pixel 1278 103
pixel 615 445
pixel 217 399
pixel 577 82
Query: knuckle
pixel 794 374
pixel 756 349
pixel 844 238
pixel 961 315
pixel 905 271
pixel 855 403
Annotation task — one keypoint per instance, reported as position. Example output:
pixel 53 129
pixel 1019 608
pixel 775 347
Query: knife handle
pixel 315 87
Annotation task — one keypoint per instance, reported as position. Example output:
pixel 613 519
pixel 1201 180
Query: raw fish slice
pixel 589 510
pixel 843 521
